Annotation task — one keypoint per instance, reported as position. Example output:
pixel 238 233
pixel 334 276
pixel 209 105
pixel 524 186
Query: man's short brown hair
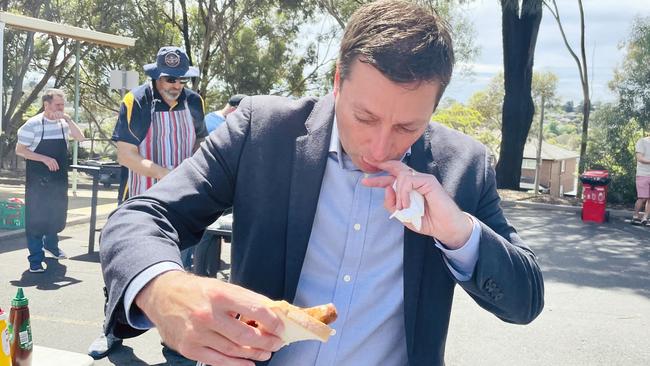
pixel 49 94
pixel 404 41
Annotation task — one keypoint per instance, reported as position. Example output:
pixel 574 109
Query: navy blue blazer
pixel 267 162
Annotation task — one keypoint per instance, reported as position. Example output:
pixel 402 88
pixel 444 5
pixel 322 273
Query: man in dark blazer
pixel 312 183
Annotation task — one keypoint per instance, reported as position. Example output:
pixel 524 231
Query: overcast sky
pixel 607 25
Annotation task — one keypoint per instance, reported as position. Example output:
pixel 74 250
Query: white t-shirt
pixel 643 147
pixel 30 133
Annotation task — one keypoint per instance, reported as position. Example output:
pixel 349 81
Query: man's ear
pixel 337 80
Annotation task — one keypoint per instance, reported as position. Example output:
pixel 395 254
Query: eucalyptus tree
pixel 581 62
pixel 33 61
pixel 632 78
pixel 520 25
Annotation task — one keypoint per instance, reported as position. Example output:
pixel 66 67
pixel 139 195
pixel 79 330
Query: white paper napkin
pixel 412 214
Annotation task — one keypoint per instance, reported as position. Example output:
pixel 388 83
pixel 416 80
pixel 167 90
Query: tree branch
pixel 556 15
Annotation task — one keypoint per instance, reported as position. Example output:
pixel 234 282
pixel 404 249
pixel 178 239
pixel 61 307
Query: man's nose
pixel 380 149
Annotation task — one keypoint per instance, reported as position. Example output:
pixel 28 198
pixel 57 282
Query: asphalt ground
pixel 597 311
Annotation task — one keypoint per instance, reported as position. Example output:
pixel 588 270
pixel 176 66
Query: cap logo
pixel 172 59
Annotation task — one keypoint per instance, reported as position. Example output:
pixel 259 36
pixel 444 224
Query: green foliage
pixel 251 48
pixel 458 117
pixel 544 85
pixel 568 106
pixel 262 61
pixel 468 121
pixel 616 127
pixel 632 79
pixel 247 46
pixel 489 102
pixel 612 139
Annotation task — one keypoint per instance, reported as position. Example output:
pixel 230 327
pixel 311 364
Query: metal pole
pixel 75 146
pixel 540 137
pixel 2 72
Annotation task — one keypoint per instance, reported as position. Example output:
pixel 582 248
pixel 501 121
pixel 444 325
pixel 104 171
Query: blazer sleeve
pixel 172 215
pixel 507 280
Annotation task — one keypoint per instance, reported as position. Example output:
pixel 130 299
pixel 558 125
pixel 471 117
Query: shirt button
pixel 357 227
pixel 347 278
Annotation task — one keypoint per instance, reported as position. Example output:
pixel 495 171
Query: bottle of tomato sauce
pixel 21 331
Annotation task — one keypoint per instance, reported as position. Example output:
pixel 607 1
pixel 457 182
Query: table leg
pixel 93 214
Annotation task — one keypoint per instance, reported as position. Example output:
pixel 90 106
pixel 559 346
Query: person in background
pixel 43 142
pixel 642 205
pixel 160 124
pixel 214 119
pixel 312 183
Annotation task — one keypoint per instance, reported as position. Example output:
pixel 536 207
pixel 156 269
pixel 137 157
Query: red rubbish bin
pixel 594 195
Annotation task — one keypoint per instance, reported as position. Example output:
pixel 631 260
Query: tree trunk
pixel 540 140
pixel 519 38
pixel 586 111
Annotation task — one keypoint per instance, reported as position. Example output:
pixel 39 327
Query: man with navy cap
pixel 216 118
pixel 160 124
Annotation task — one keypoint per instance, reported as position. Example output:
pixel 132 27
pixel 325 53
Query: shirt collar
pixel 343 159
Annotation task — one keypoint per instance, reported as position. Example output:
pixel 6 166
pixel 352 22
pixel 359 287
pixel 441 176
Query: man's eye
pixel 366 121
pixel 406 129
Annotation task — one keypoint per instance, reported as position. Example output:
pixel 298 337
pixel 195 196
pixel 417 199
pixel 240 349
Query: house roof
pixel 549 151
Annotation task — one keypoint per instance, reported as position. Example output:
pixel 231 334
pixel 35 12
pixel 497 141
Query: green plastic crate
pixel 12 214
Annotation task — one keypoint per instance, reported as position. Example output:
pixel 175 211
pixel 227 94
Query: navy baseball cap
pixel 235 99
pixel 171 61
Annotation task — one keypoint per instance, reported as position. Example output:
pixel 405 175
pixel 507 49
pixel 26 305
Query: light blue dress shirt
pixel 354 259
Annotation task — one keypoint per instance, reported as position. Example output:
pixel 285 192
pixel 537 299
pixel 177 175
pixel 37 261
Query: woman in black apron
pixel 46 196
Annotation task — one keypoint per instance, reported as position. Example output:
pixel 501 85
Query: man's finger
pixel 228 348
pixel 389 199
pixel 378 182
pixel 251 305
pixel 405 186
pixel 211 357
pixel 246 335
pixel 392 167
pixel 264 337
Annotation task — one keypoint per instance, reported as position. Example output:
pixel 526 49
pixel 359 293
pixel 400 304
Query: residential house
pixel 559 168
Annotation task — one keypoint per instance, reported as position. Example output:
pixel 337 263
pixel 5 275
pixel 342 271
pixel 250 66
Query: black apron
pixel 46 192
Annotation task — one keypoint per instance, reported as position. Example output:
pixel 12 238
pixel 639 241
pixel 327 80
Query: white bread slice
pixel 298 325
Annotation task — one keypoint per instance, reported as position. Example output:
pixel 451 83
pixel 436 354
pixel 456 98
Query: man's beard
pixel 170 95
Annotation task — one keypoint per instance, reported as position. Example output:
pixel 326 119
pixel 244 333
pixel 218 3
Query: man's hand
pixel 162 172
pixel 60 115
pixel 197 316
pixel 442 218
pixel 51 163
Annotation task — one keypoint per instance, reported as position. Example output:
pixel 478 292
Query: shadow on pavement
pixel 9 245
pixel 19 242
pixel 124 356
pixel 53 278
pixel 610 255
pixel 92 257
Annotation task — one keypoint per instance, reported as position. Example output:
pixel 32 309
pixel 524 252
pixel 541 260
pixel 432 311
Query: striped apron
pixel 169 141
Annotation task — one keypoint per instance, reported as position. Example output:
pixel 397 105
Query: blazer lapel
pixel 416 245
pixel 309 160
